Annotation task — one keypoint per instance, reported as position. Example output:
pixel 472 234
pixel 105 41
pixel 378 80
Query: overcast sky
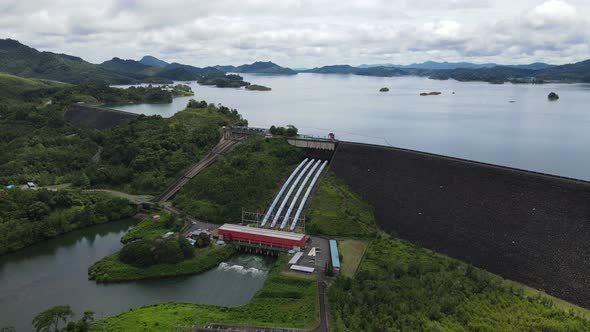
pixel 305 33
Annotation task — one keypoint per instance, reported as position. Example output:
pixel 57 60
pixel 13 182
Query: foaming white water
pixel 240 269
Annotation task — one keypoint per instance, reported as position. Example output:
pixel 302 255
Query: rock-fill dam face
pixel 524 226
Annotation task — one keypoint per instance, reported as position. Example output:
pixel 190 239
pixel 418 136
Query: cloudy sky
pixel 305 33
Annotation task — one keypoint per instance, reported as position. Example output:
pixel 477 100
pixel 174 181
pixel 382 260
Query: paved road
pixel 322 287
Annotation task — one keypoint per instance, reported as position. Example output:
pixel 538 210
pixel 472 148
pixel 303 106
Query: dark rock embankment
pixel 524 226
pixel 96 117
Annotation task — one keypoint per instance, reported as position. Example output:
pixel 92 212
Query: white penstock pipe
pixel 286 199
pixel 298 193
pixel 315 178
pixel 276 200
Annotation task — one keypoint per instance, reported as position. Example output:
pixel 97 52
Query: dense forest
pixel 246 178
pixel 30 216
pixel 401 287
pixel 143 155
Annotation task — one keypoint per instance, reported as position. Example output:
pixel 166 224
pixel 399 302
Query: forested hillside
pixel 22 60
pixel 142 156
pixel 246 178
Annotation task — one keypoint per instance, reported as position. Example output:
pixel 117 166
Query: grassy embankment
pixel 112 269
pixel 337 211
pixel 282 301
pixel 246 178
pixel 400 286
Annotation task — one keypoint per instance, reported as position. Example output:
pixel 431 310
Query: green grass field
pixel 352 253
pixel 282 302
pixel 337 211
pixel 111 269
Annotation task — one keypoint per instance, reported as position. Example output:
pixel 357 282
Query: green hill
pixel 153 61
pixel 14 87
pixel 130 67
pixel 261 67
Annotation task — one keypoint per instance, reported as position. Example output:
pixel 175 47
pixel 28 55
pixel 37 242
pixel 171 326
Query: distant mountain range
pixel 532 73
pixel 24 61
pixel 432 65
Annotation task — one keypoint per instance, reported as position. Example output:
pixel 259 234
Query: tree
pixel 38 210
pixel 50 319
pixel 82 325
pixel 203 240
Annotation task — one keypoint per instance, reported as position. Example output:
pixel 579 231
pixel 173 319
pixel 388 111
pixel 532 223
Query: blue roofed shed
pixel 335 257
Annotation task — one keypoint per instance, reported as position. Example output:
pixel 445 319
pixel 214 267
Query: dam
pixel 529 227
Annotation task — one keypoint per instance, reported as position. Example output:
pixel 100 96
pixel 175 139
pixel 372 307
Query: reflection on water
pixel 55 273
pixel 477 122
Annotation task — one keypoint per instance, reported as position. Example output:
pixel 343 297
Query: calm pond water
pixel 55 272
pixel 511 125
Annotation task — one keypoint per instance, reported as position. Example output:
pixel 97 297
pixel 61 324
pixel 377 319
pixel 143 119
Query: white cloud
pixel 305 32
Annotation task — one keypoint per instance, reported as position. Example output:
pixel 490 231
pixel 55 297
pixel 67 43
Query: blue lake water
pixel 510 124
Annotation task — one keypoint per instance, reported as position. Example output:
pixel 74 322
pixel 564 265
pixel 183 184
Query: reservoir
pixel 55 273
pixel 508 124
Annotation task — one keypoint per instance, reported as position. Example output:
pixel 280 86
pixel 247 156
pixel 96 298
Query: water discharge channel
pixel 55 273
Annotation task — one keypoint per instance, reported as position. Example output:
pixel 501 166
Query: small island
pixel 553 96
pixel 155 249
pixel 256 87
pixel 434 93
pixel 384 90
pixel 223 81
pixel 181 90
